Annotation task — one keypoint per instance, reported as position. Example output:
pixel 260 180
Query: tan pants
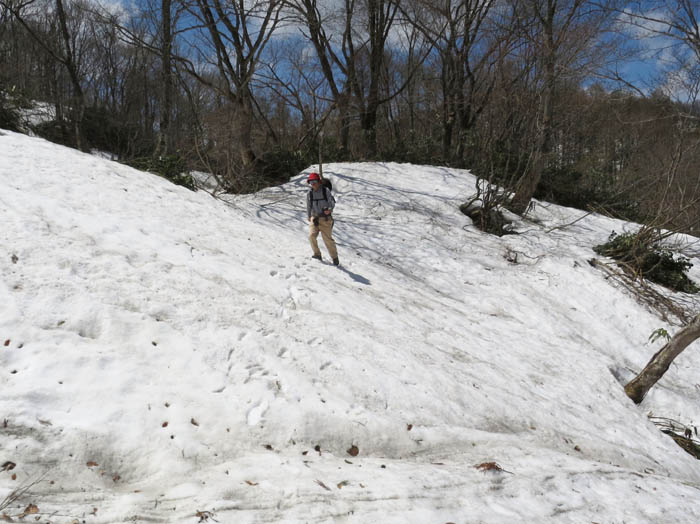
pixel 325 227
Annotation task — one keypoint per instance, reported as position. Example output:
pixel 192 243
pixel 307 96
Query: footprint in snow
pixel 256 413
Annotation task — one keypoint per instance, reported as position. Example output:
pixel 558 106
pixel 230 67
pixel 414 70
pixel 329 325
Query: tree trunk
pixel 447 83
pixel 528 183
pixel 344 124
pixel 244 127
pixel 78 102
pixel 318 37
pixel 380 17
pixel 164 145
pixel 660 362
pixel 368 120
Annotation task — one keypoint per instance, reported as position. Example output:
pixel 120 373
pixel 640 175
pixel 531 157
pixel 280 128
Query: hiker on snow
pixel 319 209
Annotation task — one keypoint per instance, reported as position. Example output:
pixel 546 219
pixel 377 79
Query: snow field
pixel 171 353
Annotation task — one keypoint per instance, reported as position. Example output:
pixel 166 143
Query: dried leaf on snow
pixel 205 515
pixel 323 485
pixel 490 466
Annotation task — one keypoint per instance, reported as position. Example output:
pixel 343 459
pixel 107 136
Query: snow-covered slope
pixel 169 357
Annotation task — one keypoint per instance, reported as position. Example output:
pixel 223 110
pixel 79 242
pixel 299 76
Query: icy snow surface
pixel 169 357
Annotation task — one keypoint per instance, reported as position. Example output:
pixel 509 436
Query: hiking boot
pixel 336 262
pixel 316 257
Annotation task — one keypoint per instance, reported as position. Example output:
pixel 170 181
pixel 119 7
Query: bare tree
pixel 295 80
pixel 319 28
pixel 236 33
pixel 68 60
pixel 675 19
pixel 415 71
pixel 637 388
pixel 380 18
pixel 5 17
pixel 356 64
pixel 65 49
pixel 469 45
pixel 166 76
pixel 562 32
pixel 163 17
pixel 670 158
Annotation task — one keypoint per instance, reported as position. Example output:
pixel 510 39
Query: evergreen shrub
pixel 9 116
pixel 650 260
pixel 416 149
pixel 170 167
pixel 55 131
pixel 590 190
pixel 279 165
pixel 107 132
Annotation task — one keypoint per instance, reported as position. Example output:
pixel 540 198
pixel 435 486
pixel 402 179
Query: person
pixel 319 210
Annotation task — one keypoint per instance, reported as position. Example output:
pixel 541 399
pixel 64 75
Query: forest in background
pixel 590 104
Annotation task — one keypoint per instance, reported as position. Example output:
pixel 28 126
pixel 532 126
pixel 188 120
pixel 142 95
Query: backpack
pixel 326 185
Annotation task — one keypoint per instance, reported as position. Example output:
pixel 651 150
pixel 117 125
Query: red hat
pixel 313 176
